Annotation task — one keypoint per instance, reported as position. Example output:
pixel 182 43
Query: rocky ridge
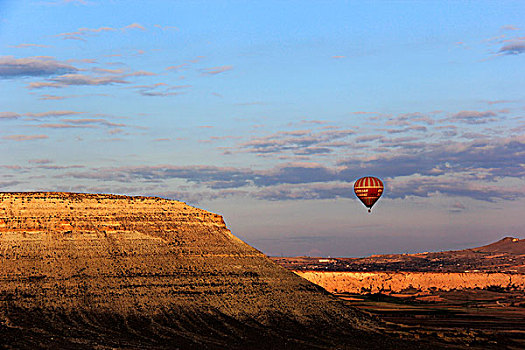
pixel 398 282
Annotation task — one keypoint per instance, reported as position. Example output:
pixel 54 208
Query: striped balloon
pixel 368 189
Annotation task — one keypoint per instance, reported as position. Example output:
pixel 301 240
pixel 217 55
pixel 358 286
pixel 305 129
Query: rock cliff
pixel 385 282
pixel 104 271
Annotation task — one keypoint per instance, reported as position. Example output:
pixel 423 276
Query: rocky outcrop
pixel 105 271
pixel 395 282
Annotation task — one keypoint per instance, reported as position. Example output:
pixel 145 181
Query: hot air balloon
pixel 368 189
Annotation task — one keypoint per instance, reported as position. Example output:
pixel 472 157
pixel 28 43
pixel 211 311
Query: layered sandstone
pixel 105 271
pixel 395 282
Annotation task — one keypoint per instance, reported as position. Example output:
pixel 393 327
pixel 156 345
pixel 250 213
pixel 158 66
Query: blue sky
pixel 268 112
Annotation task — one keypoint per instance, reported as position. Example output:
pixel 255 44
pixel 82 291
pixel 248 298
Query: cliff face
pixel 80 270
pixel 76 249
pixel 374 282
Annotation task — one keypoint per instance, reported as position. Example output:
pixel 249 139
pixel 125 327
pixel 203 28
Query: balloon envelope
pixel 368 189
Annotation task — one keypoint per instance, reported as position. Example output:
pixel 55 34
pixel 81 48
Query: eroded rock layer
pixel 395 282
pixel 85 271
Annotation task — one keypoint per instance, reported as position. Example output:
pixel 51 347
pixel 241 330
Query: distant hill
pixel 508 245
pixel 505 255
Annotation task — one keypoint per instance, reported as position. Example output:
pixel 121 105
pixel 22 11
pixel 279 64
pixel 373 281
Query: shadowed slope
pixel 88 270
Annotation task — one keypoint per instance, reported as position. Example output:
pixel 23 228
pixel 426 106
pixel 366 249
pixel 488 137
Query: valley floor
pixel 484 319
